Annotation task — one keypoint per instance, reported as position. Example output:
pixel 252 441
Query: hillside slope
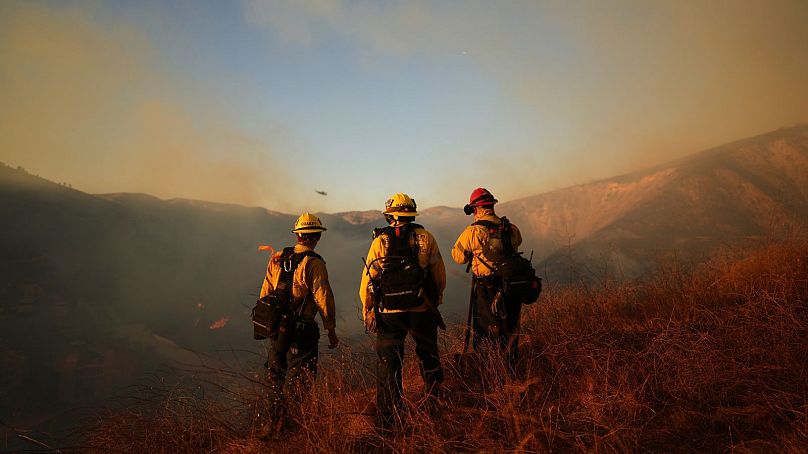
pixel 757 187
pixel 98 290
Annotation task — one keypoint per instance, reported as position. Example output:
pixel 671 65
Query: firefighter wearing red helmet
pixel 495 318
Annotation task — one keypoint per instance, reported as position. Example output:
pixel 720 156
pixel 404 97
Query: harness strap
pixel 290 260
pixel 398 238
pixel 504 229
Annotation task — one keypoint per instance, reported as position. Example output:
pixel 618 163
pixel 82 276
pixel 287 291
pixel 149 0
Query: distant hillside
pixel 752 188
pixel 97 290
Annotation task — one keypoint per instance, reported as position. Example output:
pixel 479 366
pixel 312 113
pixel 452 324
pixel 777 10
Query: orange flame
pixel 267 248
pixel 219 324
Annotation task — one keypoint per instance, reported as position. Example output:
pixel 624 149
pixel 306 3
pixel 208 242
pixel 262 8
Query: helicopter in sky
pixel 320 192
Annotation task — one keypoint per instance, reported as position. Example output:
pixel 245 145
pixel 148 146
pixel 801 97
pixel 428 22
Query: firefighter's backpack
pixel 401 283
pixel 517 275
pixel 278 306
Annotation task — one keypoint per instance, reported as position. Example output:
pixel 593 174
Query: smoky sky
pixel 90 103
pixel 551 94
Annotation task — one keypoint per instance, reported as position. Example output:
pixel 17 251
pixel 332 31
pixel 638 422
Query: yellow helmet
pixel 308 223
pixel 400 205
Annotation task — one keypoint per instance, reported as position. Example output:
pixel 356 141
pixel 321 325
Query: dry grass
pixel 713 359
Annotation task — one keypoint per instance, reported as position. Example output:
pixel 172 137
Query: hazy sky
pixel 262 102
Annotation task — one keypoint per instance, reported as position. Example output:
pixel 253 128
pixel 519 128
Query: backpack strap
pixel 398 239
pixel 310 254
pixel 288 263
pixel 506 236
pixel 504 228
pixel 490 224
pixel 290 260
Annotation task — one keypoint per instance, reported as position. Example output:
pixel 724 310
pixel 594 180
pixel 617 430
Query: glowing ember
pixel 219 324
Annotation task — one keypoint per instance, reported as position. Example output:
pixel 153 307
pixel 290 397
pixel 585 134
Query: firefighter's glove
pixel 333 340
pixel 370 322
pixel 498 306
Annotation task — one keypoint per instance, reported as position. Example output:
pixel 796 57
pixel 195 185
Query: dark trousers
pixel 494 331
pixel 292 365
pixel 393 329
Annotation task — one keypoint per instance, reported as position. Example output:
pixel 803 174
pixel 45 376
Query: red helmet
pixel 479 197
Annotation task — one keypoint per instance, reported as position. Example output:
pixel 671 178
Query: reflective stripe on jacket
pixel 310 281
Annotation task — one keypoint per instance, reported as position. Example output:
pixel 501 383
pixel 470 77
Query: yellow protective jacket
pixel 474 241
pixel 310 281
pixel 428 257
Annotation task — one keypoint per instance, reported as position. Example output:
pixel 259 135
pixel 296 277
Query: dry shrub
pixel 713 359
pixel 206 410
pixel 710 359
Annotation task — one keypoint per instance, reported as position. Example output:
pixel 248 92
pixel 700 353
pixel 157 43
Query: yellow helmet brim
pixel 310 230
pixel 401 213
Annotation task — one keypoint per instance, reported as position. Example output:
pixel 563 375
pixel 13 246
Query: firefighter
pixel 401 287
pixel 495 319
pixel 293 350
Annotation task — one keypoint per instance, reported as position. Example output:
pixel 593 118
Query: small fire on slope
pixel 221 323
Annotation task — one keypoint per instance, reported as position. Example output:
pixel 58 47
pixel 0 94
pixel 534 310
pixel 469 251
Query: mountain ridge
pixel 742 189
pixel 737 190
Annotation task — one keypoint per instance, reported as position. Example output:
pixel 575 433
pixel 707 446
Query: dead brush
pixel 171 417
pixel 709 359
pixel 713 356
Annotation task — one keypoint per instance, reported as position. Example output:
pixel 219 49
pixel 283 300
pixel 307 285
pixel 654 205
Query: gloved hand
pixel 333 340
pixel 370 322
pixel 498 306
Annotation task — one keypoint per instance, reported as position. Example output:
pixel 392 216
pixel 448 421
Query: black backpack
pixel 402 281
pixel 274 313
pixel 517 275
